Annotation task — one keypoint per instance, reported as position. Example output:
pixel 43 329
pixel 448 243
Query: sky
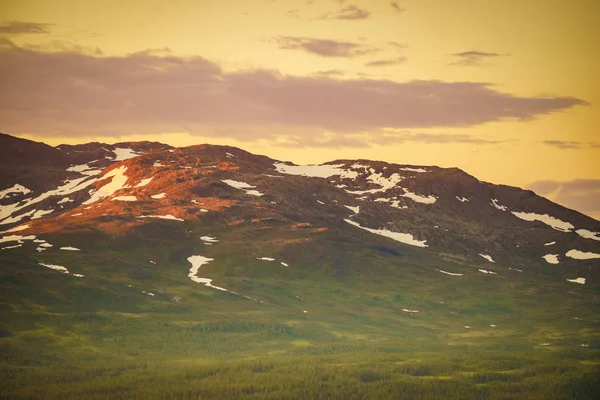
pixel 508 91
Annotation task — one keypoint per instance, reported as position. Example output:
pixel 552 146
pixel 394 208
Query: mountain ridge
pixel 443 210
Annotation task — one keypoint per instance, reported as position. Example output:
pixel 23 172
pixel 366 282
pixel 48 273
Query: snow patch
pixel 549 243
pixel 16 238
pixel 18 228
pixel 487 257
pixel 144 182
pixel 284 264
pixel 448 273
pixel 69 248
pixel 584 233
pixel 393 203
pixel 78 275
pixel 320 202
pixel 581 255
pixel 243 186
pixel 209 239
pixel 117 182
pixel 581 281
pixel 265 258
pixel 316 171
pixel 59 268
pixel 14 190
pixel 354 209
pixel 12 247
pixel 555 223
pixel 551 258
pixel 168 216
pixel 498 206
pixel 159 196
pixel 485 271
pixel 413 169
pixel 124 198
pixel 197 262
pixel 462 199
pixel 406 238
pixel 418 198
pixel 124 154
pixel 65 200
pixel 378 179
pixel 410 311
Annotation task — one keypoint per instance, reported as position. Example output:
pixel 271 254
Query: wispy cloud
pixel 376 138
pixel 397 7
pixel 474 58
pixel 21 27
pixel 386 62
pixel 67 93
pixel 324 47
pixel 330 72
pixel 578 194
pixel 571 144
pixel 348 13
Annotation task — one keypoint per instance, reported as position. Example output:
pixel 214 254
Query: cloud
pixel 320 139
pixel 349 13
pixel 330 72
pixel 70 93
pixel 324 47
pixel 20 27
pixel 397 45
pixel 571 144
pixel 579 194
pixel 397 8
pixel 473 58
pixel 386 62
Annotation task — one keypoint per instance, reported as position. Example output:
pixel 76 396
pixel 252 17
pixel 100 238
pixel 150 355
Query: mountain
pixel 444 211
pixel 346 253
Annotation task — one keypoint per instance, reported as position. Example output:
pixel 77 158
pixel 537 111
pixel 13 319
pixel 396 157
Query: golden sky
pixel 506 90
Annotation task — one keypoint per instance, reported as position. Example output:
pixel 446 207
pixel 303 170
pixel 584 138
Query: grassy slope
pixel 97 336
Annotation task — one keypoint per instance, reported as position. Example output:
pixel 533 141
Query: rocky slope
pixel 150 189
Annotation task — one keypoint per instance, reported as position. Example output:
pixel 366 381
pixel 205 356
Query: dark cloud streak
pixel 324 47
pixel 349 13
pixel 20 27
pixel 473 58
pixel 571 144
pixel 386 62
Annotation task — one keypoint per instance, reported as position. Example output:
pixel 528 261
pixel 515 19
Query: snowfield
pixel 316 171
pixel 116 183
pixel 124 154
